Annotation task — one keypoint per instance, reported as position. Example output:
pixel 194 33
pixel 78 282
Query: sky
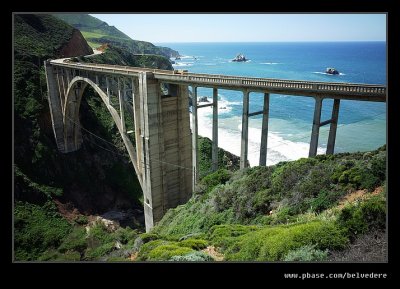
pixel 161 28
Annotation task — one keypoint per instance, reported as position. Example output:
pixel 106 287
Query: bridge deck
pixel 351 91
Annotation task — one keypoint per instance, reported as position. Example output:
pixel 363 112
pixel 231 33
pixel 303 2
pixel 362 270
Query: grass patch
pixel 273 243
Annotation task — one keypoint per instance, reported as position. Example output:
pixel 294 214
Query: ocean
pixel 361 126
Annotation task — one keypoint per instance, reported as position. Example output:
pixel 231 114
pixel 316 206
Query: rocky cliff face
pixel 76 46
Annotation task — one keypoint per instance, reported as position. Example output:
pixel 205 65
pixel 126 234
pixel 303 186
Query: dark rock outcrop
pixel 76 46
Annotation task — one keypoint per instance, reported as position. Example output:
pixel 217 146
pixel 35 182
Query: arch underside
pixel 72 129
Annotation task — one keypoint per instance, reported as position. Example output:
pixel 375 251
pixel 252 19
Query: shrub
pixel 288 175
pixel 125 235
pixel 196 244
pixel 318 178
pixel 362 217
pixel 224 235
pixel 247 193
pixel 71 256
pixel 37 229
pixel 81 220
pixel 147 237
pixel 165 252
pixel 98 235
pixel 273 243
pixel 75 241
pixel 99 251
pixel 148 247
pixel 306 253
pixel 193 257
pixel 212 180
pixel 362 174
pixel 324 200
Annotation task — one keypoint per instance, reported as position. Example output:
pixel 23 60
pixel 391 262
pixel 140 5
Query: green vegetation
pixel 292 211
pixel 273 243
pixel 97 32
pixel 119 56
pixel 37 228
pixel 225 159
pixel 193 257
pixel 42 174
pixel 91 26
pixel 39 36
pixel 306 253
pixel 362 217
pixel 284 212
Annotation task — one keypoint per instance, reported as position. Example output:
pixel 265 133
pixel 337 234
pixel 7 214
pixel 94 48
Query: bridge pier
pixel 332 130
pixel 264 131
pixel 315 127
pixel 195 138
pixel 245 130
pixel 166 151
pixel 317 124
pixel 214 149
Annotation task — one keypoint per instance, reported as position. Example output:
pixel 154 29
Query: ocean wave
pixel 224 107
pixel 229 135
pixel 270 63
pixel 182 64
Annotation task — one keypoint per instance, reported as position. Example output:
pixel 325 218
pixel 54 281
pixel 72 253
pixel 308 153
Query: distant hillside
pixel 88 24
pixel 39 35
pixel 98 32
pixel 119 56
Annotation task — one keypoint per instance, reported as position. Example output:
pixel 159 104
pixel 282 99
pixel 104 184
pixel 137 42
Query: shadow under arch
pixel 72 129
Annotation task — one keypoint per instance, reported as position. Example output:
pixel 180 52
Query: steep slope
pixel 93 180
pixel 40 36
pixel 98 32
pixel 305 210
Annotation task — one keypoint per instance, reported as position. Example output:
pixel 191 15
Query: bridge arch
pixel 72 129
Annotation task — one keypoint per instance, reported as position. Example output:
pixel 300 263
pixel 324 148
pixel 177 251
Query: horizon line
pixel 284 41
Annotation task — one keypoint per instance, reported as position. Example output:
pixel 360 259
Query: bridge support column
pixel 121 105
pixel 315 128
pixel 264 131
pixel 185 145
pixel 195 139
pixel 214 150
pixel 56 111
pixel 245 130
pixel 108 90
pixel 136 119
pixel 166 148
pixel 333 127
pixel 64 87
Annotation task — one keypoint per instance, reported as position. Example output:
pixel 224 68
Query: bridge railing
pixel 236 81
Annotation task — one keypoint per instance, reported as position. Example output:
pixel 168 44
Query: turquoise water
pixel 362 125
